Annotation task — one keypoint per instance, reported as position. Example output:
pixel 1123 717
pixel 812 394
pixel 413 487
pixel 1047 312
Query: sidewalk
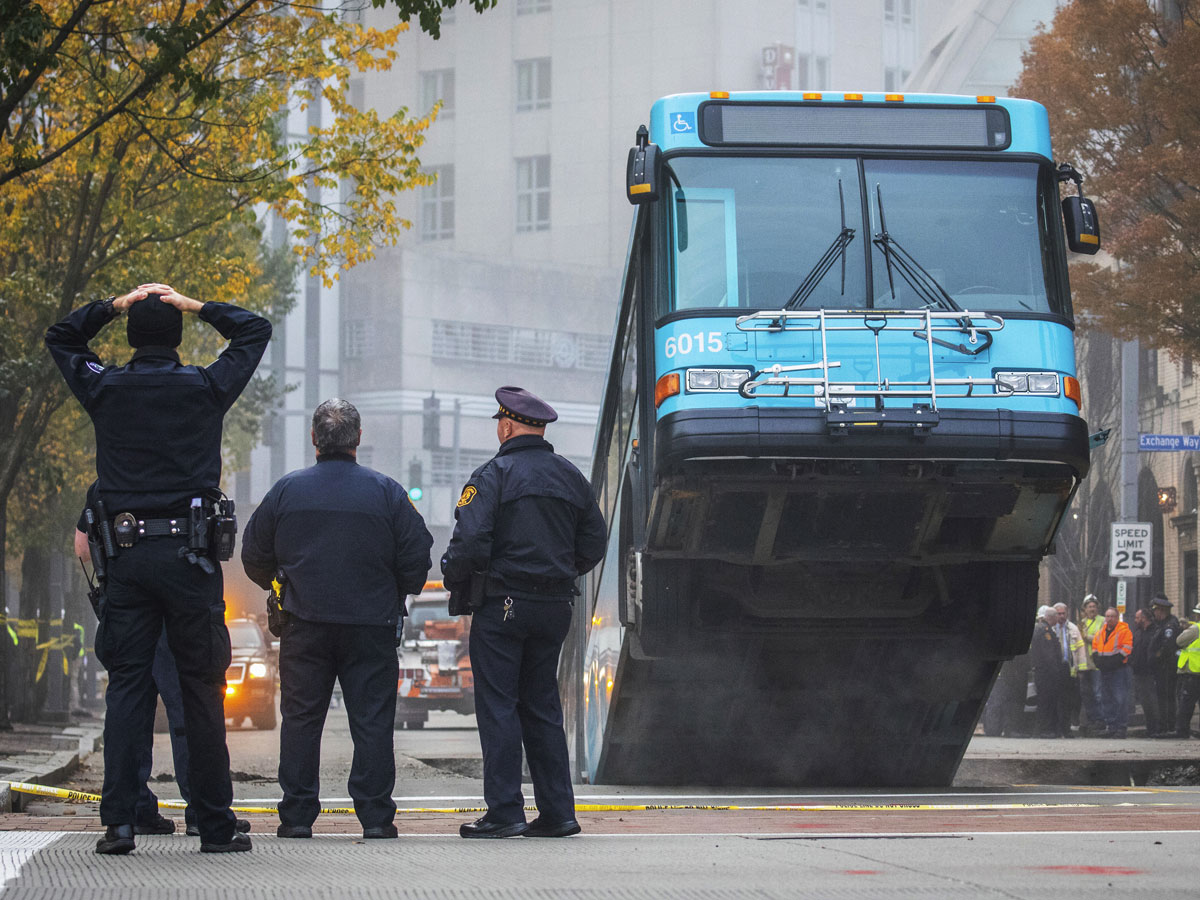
pixel 45 754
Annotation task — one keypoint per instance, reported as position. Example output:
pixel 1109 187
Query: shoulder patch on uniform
pixel 96 367
pixel 468 495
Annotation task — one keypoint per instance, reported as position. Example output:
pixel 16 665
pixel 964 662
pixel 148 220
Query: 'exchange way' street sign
pixel 1130 556
pixel 1166 442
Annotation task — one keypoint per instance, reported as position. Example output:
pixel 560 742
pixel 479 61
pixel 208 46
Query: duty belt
pixel 160 527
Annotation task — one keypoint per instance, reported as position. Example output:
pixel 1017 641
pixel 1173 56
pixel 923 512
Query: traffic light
pixel 431 422
pixel 416 489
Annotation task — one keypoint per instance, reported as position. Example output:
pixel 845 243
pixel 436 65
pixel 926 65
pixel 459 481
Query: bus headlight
pixel 708 380
pixel 258 670
pixel 1043 383
pixel 1009 382
pixel 1027 382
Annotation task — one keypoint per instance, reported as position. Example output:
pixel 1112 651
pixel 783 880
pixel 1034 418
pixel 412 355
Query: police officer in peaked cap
pixel 528 525
pixel 158 458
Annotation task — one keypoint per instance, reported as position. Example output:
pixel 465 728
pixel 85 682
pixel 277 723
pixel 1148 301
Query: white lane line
pixel 18 847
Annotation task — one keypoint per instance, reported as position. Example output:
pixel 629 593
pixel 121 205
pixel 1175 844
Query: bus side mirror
pixel 1079 214
pixel 1083 225
pixel 643 170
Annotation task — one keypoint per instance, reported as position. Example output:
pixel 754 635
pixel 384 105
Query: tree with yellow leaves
pixel 146 142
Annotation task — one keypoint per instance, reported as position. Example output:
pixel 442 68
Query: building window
pixel 437 206
pixel 533 84
pixel 532 7
pixel 533 193
pixel 906 12
pixel 1188 370
pixel 474 342
pixel 438 84
pixel 356 339
pixel 889 10
pixel 821 73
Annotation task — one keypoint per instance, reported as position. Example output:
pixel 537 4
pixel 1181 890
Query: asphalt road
pixel 1007 842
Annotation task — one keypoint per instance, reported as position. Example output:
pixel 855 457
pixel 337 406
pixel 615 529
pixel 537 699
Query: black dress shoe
pixel 294 831
pixel 482 828
pixel 160 824
pixel 241 825
pixel 380 831
pixel 118 839
pixel 239 843
pixel 538 828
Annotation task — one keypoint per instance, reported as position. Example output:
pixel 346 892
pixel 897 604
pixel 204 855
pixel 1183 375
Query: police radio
pixel 224 529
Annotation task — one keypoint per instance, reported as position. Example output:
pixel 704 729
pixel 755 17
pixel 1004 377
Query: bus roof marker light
pixel 852 96
pixel 985 98
pixel 894 98
pixel 666 386
pixel 719 95
pixel 812 96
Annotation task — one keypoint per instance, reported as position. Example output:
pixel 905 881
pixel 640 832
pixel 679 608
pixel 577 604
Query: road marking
pixel 18 847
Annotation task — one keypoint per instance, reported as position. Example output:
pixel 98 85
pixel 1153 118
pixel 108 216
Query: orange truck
pixel 435 666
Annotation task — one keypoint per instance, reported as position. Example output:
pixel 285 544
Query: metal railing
pixel 973 330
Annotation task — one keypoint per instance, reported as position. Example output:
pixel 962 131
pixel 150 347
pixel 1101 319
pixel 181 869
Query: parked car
pixel 252 680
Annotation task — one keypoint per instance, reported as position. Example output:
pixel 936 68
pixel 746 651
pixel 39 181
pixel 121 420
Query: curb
pixel 51 769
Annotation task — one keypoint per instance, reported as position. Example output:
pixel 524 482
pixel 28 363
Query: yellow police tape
pixel 81 797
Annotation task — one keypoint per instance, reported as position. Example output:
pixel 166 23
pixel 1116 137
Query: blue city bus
pixel 840 429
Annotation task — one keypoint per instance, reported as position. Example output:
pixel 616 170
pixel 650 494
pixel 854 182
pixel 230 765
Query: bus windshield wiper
pixel 894 255
pixel 825 263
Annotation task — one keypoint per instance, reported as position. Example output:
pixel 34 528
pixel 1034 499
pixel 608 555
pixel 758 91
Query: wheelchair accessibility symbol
pixel 684 123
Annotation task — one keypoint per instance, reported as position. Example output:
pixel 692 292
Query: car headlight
pixel 258 670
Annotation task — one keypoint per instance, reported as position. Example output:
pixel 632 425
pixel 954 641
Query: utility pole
pixel 1130 390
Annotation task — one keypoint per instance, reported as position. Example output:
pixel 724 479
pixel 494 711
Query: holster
pixel 277 616
pixel 466 598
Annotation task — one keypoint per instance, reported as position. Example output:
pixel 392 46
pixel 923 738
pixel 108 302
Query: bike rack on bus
pixel 836 396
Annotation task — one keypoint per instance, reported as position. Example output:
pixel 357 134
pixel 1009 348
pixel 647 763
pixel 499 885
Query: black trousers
pixel 1189 698
pixel 149 586
pixel 166 683
pixel 1166 682
pixel 1052 683
pixel 363 659
pixel 515 665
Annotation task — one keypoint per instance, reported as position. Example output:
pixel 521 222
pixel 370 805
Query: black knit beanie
pixel 153 323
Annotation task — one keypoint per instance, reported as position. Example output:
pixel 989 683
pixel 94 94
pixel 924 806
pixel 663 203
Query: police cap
pixel 521 406
pixel 1160 600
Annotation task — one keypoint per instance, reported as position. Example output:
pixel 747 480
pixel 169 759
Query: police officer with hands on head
pixel 348 546
pixel 158 465
pixel 527 526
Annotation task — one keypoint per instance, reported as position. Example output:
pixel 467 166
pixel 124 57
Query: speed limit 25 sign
pixel 1131 545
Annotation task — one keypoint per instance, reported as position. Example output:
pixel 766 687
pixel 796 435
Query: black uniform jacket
pixel 348 539
pixel 157 421
pixel 528 518
pixel 1162 652
pixel 1046 650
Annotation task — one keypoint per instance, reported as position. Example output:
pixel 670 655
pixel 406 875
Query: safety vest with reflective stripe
pixel 1088 631
pixel 1111 642
pixel 1189 658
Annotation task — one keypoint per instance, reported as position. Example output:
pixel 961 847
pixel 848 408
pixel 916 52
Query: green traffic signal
pixel 415 494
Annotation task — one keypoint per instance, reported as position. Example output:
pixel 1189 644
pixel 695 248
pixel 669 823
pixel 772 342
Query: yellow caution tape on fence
pixel 81 797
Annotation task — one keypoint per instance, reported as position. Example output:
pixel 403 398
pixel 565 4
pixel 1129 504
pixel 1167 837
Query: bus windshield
pixel 765 233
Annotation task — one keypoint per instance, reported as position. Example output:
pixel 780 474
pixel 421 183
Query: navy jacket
pixel 348 539
pixel 157 421
pixel 528 518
